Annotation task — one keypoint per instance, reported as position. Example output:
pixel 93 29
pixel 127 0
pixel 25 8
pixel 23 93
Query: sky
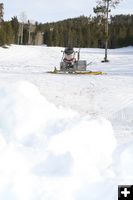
pixel 55 10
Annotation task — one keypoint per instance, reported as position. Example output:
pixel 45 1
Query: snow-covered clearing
pixel 64 136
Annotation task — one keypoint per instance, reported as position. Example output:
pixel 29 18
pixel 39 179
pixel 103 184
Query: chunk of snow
pixel 48 152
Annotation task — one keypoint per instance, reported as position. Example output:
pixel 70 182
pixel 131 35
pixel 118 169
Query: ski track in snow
pixel 110 95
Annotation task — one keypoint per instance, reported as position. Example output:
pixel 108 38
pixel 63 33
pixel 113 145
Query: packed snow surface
pixel 64 136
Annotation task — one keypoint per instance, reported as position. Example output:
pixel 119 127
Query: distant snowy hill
pixel 64 136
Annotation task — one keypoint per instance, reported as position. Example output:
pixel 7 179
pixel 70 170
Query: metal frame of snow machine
pixel 71 61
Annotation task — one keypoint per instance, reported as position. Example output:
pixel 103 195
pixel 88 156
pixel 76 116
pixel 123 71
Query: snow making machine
pixel 71 61
pixel 72 64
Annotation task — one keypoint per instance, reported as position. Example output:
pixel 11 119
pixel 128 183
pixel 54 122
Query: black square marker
pixel 125 192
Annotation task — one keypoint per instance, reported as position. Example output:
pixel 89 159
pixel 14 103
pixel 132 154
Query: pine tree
pixel 103 9
pixel 8 31
pixel 15 28
pixel 2 36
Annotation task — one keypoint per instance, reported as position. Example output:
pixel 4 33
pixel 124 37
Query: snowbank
pixel 123 164
pixel 47 152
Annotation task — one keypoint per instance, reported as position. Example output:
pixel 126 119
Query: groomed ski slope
pixel 110 96
pixel 64 136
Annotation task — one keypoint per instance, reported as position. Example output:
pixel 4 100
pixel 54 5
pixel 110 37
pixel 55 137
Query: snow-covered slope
pixel 59 133
pixel 110 96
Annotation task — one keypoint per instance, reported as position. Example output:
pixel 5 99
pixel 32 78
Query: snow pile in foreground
pixel 51 153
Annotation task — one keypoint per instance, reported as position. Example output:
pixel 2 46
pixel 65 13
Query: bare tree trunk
pixel 22 29
pixel 106 31
pixel 23 18
pixel 29 36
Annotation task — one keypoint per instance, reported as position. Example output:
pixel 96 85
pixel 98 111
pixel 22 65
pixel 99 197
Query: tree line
pixel 15 32
pixel 89 32
pixel 78 32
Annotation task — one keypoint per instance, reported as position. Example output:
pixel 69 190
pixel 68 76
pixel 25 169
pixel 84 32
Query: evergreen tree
pixel 2 36
pixel 8 31
pixel 15 28
pixel 103 9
